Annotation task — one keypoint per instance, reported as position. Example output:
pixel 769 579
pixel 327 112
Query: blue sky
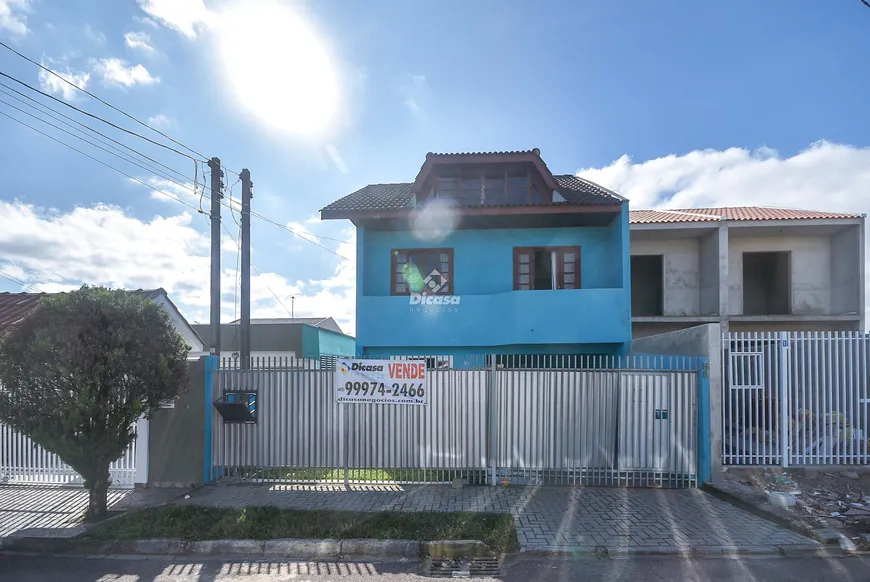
pixel 671 103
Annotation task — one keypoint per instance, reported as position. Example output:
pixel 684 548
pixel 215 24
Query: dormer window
pixel 488 187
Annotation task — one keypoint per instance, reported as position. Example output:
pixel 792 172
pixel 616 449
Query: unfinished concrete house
pixel 747 268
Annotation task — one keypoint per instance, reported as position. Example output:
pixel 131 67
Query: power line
pixel 257 271
pixel 6 275
pixel 50 111
pixel 106 103
pixel 121 155
pixel 101 162
pixel 164 176
pixel 97 117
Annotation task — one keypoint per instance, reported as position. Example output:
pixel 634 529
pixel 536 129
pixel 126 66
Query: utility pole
pixel 247 194
pixel 292 299
pixel 214 165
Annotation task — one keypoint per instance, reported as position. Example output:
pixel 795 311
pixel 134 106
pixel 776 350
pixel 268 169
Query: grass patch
pixel 264 523
pixel 332 475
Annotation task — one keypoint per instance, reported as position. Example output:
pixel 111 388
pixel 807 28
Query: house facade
pixel 489 253
pixel 747 268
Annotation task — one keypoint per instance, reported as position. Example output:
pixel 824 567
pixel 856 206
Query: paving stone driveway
pixel 560 517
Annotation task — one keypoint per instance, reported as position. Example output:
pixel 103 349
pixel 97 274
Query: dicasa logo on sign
pixel 366 367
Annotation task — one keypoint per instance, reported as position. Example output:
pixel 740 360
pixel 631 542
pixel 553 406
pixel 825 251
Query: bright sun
pixel 277 66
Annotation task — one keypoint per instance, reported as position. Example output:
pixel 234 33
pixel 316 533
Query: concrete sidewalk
pixel 547 518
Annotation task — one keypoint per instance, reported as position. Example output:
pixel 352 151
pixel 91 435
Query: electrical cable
pixel 97 117
pixel 121 156
pixel 51 110
pixel 101 162
pixel 164 176
pixel 107 104
pixel 18 281
pixel 257 271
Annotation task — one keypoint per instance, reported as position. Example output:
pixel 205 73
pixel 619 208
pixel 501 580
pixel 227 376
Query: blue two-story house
pixel 489 253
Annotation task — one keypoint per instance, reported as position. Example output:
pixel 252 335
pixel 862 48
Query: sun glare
pixel 277 67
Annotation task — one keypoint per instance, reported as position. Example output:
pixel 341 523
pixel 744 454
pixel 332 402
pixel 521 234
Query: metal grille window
pixel 538 268
pixel 432 362
pixel 746 371
pixel 488 187
pixel 427 271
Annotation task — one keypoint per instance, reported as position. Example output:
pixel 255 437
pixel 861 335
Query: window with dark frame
pixel 537 268
pixel 488 187
pixel 412 271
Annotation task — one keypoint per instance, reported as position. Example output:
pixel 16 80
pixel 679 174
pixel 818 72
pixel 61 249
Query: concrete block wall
pixel 703 341
pixel 682 273
pixel 810 267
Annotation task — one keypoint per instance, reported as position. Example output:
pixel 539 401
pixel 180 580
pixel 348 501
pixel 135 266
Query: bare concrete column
pixel 714 355
pixel 724 283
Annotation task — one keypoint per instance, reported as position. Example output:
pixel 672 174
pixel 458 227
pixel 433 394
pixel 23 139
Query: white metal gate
pixel 485 424
pixel 24 462
pixel 795 398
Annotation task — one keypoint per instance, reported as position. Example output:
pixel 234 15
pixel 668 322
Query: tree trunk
pixel 98 495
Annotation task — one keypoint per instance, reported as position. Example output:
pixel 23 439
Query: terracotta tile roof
pixel 741 213
pixel 15 306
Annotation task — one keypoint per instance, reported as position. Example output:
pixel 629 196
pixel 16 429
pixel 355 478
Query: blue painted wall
pixel 318 342
pixel 492 316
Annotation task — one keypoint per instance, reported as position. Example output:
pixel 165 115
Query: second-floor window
pixel 538 268
pixel 427 271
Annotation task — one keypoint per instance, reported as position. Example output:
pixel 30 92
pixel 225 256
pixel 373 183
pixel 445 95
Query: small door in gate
pixel 644 421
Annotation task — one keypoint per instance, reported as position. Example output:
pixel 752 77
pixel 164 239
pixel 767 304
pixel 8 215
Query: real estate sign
pixel 381 382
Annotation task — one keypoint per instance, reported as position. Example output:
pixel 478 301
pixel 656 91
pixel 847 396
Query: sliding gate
pixel 488 425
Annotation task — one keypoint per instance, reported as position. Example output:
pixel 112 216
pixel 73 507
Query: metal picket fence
pixel 795 398
pixel 24 462
pixel 535 419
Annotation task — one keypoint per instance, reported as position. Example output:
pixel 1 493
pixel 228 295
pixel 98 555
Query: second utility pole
pixel 247 194
pixel 214 166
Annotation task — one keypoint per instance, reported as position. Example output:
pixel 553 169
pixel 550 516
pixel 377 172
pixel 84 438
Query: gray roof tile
pixel 376 197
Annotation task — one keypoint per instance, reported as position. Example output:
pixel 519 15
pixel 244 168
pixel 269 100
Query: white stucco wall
pixel 681 272
pixel 810 269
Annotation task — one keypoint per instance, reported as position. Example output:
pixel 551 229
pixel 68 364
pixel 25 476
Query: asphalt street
pixel 42 568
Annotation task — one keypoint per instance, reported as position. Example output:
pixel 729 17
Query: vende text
pixel 407 371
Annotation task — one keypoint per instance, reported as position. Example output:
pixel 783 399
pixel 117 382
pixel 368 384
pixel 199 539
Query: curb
pixel 794 525
pixel 616 552
pixel 313 549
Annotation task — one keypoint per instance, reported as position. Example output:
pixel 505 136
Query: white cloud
pixel 412 92
pixel 101 245
pixel 336 158
pixel 169 190
pixel 160 121
pixel 95 36
pixel 825 176
pixel 185 16
pixel 146 21
pixel 139 40
pixel 51 84
pixel 115 71
pixel 13 17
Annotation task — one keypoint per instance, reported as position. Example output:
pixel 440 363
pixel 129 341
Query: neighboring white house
pixel 747 268
pixel 15 306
